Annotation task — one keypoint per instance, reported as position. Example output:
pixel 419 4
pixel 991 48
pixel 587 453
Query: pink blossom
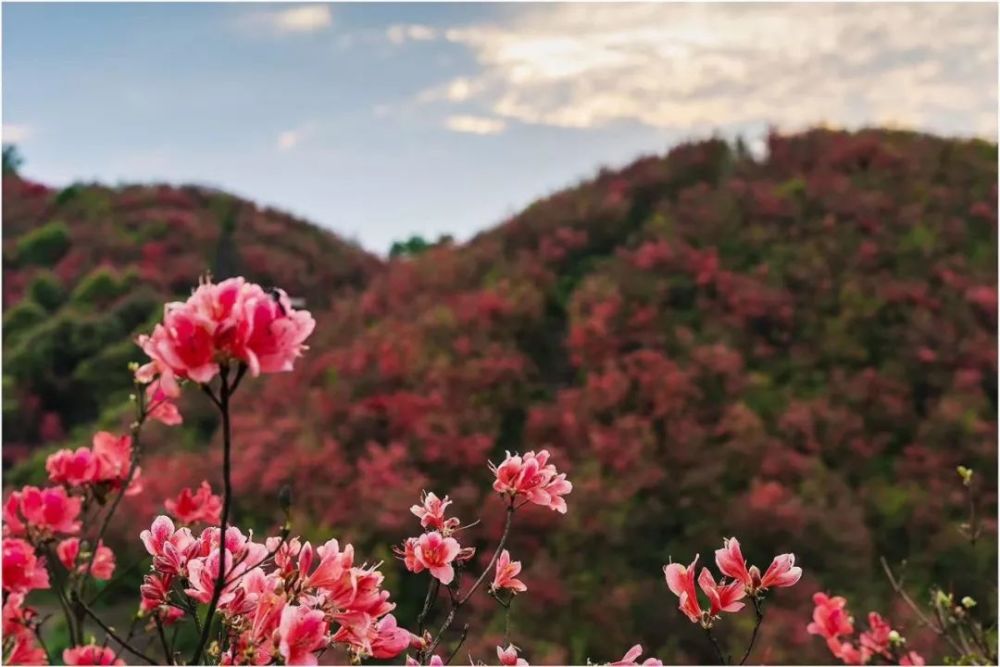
pixel 731 563
pixel 431 513
pixel 26 651
pixel 270 332
pixel 912 658
pixel 436 554
pixel 171 549
pixel 160 405
pixel 22 570
pixel 103 566
pixel 506 572
pixel 830 618
pixel 72 468
pixel 875 641
pixel 201 505
pixel 781 573
pixel 91 655
pixel 532 476
pixel 508 656
pixel 390 640
pixel 301 631
pixel 183 344
pixel 722 597
pixel 680 581
pixel 50 510
pixel 435 661
pixel 632 656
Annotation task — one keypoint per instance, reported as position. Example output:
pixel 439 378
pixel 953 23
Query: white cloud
pixel 687 66
pixel 399 34
pixel 475 124
pixel 297 19
pixel 15 134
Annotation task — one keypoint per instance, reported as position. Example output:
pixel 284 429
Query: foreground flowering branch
pixel 282 600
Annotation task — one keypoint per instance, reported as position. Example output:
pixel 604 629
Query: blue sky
pixel 383 120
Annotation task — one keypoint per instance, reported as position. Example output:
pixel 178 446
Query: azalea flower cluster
pixel 234 320
pixel 282 598
pixel 42 526
pixel 879 643
pixel 727 595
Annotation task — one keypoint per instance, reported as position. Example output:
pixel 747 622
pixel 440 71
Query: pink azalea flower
pixel 731 563
pixel 435 661
pixel 431 513
pixel 508 656
pixel 408 554
pixel 533 477
pixel 334 566
pixel 22 570
pixel 16 616
pixel 390 639
pixel 721 597
pixel 632 656
pixel 506 572
pixel 830 618
pixel 301 631
pixel 160 405
pixel 171 549
pixel 183 344
pixel 781 573
pixel 201 505
pixel 103 566
pixel 680 581
pixel 26 651
pixel 50 510
pixel 270 332
pixel 875 641
pixel 436 554
pixel 91 655
pixel 72 468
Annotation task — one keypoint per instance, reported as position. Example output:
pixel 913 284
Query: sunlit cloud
pixel 296 19
pixel 399 34
pixel 684 66
pixel 14 134
pixel 475 124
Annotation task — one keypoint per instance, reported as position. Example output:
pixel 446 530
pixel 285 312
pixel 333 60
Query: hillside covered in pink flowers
pixel 798 349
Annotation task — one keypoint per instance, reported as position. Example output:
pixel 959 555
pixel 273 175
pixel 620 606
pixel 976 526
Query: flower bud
pixel 754 577
pixel 965 474
pixel 896 638
pixel 968 602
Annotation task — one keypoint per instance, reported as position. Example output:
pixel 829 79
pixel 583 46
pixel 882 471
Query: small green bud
pixel 968 602
pixel 132 397
pixel 941 599
pixel 896 638
pixel 965 474
pixel 133 366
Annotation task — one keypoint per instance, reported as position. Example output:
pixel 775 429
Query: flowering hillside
pixel 798 350
pixel 87 267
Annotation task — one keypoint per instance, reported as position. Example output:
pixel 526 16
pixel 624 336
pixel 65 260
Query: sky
pixel 379 121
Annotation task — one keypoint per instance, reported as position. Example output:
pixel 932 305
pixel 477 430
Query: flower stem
pixel 479 582
pixel 225 391
pixel 715 644
pixel 758 608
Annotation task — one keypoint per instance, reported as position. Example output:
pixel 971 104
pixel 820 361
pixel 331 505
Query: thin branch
pixel 758 608
pixel 225 391
pixel 897 586
pixel 715 644
pixel 128 647
pixel 167 654
pixel 432 593
pixel 475 586
pixel 461 640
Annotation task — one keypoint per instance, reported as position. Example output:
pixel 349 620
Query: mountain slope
pixel 87 267
pixel 797 350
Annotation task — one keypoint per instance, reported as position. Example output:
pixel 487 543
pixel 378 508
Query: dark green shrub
pixel 44 246
pixel 47 291
pixel 22 317
pixel 100 287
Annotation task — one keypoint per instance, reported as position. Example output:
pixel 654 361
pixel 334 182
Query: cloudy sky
pixel 380 121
